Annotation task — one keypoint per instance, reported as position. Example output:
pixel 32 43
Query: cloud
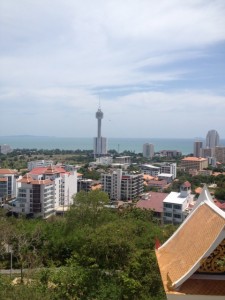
pixel 147 60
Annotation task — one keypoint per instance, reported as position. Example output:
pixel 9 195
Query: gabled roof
pixel 181 256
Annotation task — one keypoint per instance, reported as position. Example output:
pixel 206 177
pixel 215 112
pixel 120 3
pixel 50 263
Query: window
pixel 177 206
pixel 168 205
pixel 177 216
pixel 167 214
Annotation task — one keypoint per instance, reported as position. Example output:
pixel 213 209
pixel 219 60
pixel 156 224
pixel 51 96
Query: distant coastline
pixel 118 144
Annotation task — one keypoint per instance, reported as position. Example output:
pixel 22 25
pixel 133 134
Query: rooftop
pixel 153 201
pixel 175 197
pixel 192 158
pixel 7 171
pixel 185 252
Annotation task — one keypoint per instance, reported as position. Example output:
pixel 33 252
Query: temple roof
pixel 201 232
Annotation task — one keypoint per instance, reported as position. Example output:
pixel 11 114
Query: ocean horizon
pixel 184 145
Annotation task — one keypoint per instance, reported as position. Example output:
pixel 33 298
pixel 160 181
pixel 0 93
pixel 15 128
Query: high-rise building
pixel 148 150
pixel 122 186
pixel 220 154
pixel 5 149
pixel 207 152
pixel 212 139
pixel 100 143
pixel 111 184
pixel 46 190
pixel 197 148
pixel 8 184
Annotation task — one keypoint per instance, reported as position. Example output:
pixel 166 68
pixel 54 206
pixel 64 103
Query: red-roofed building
pixel 197 163
pixel 44 190
pixel 153 201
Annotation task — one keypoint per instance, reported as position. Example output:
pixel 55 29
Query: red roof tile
pixel 154 201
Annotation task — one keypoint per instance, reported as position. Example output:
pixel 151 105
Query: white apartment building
pixel 123 160
pixel 5 149
pixel 148 150
pixel 104 160
pixel 111 184
pixel 122 186
pixel 39 163
pixel 45 190
pixel 150 170
pixel 8 184
pixel 169 168
pixel 175 205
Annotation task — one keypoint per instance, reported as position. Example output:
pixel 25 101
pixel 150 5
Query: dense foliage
pixel 89 253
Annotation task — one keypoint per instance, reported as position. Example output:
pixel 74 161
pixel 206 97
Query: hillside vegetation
pixel 89 253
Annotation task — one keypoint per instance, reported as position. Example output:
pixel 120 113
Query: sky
pixel 156 68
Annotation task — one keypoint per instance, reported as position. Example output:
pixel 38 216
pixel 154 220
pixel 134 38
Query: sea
pixel 119 144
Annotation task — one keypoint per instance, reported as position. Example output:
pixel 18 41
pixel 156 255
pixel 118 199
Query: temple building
pixel 192 261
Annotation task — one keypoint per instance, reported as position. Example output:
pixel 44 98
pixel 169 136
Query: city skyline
pixel 158 68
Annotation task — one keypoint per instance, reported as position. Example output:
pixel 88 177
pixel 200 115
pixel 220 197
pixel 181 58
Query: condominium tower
pixel 148 150
pixel 212 139
pixel 197 148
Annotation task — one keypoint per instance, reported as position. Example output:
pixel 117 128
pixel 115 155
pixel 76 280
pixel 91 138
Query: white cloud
pixel 57 56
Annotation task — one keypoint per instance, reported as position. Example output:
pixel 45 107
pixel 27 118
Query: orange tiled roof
pixel 7 171
pixel 28 179
pixel 147 177
pixel 47 170
pixel 192 158
pixel 189 244
pixel 203 287
pixel 3 179
pixel 96 187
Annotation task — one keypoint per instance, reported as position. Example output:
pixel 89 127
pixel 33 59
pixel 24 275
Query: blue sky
pixel 158 67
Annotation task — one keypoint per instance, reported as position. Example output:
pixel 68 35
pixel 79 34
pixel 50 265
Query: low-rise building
pixel 175 205
pixel 160 185
pixel 150 170
pixel 170 153
pixel 198 163
pixel 38 164
pixel 165 176
pixel 153 201
pixel 87 184
pixel 169 168
pixel 123 160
